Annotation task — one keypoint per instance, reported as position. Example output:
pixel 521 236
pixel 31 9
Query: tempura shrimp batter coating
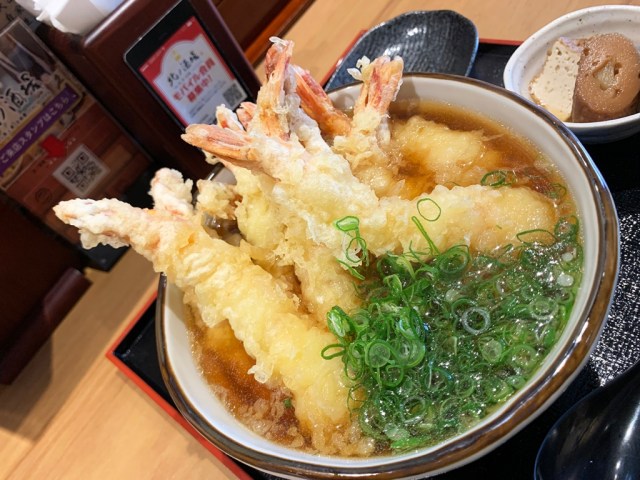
pixel 225 283
pixel 366 143
pixel 449 157
pixel 317 185
pixel 322 282
pixel 300 167
pixel 217 199
pixel 321 189
pixel 276 237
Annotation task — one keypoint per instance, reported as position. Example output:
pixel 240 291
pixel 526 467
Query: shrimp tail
pixel 271 111
pixel 245 112
pixel 227 119
pixel 226 144
pixel 257 153
pixel 386 78
pixel 99 221
pixel 316 103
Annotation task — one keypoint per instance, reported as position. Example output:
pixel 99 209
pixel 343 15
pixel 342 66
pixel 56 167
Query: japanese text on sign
pixel 32 131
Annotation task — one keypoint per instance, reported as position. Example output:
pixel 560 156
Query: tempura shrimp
pixel 365 146
pixel 309 180
pixel 319 186
pixel 227 119
pixel 363 139
pixel 445 156
pixel 316 103
pixel 277 239
pixel 478 215
pixel 262 316
pixel 270 115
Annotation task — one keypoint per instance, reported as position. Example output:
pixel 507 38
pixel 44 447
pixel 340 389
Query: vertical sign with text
pixel 189 75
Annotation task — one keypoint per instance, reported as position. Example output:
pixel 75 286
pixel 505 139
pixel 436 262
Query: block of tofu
pixel 553 87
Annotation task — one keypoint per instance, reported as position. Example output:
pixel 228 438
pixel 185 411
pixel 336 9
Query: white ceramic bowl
pixel 528 59
pixel 600 228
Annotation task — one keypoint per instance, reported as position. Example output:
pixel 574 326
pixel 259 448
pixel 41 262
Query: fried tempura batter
pixel 448 157
pixel 295 181
pixel 225 283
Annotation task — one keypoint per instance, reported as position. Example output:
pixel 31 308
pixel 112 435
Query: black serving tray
pixel 617 349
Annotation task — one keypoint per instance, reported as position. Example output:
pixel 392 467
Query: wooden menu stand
pixel 97 60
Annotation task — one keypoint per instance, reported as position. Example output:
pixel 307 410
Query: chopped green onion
pixel 491 349
pixel 498 178
pixel 475 320
pixel 536 236
pixel 429 209
pixel 556 191
pixel 438 342
pixel 339 322
pixel 542 308
pixel 567 227
pixel 348 224
pixel 496 389
pixel 523 357
pixel 378 354
pixel 454 261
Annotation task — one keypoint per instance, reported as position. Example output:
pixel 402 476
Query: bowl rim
pixel 472 444
pixel 580 128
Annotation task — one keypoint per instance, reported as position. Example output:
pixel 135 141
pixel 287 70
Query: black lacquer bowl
pixel 430 41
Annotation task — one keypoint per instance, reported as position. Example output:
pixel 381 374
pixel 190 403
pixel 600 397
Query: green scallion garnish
pixel 437 344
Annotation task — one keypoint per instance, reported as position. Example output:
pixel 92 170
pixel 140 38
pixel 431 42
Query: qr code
pixel 233 95
pixel 81 171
